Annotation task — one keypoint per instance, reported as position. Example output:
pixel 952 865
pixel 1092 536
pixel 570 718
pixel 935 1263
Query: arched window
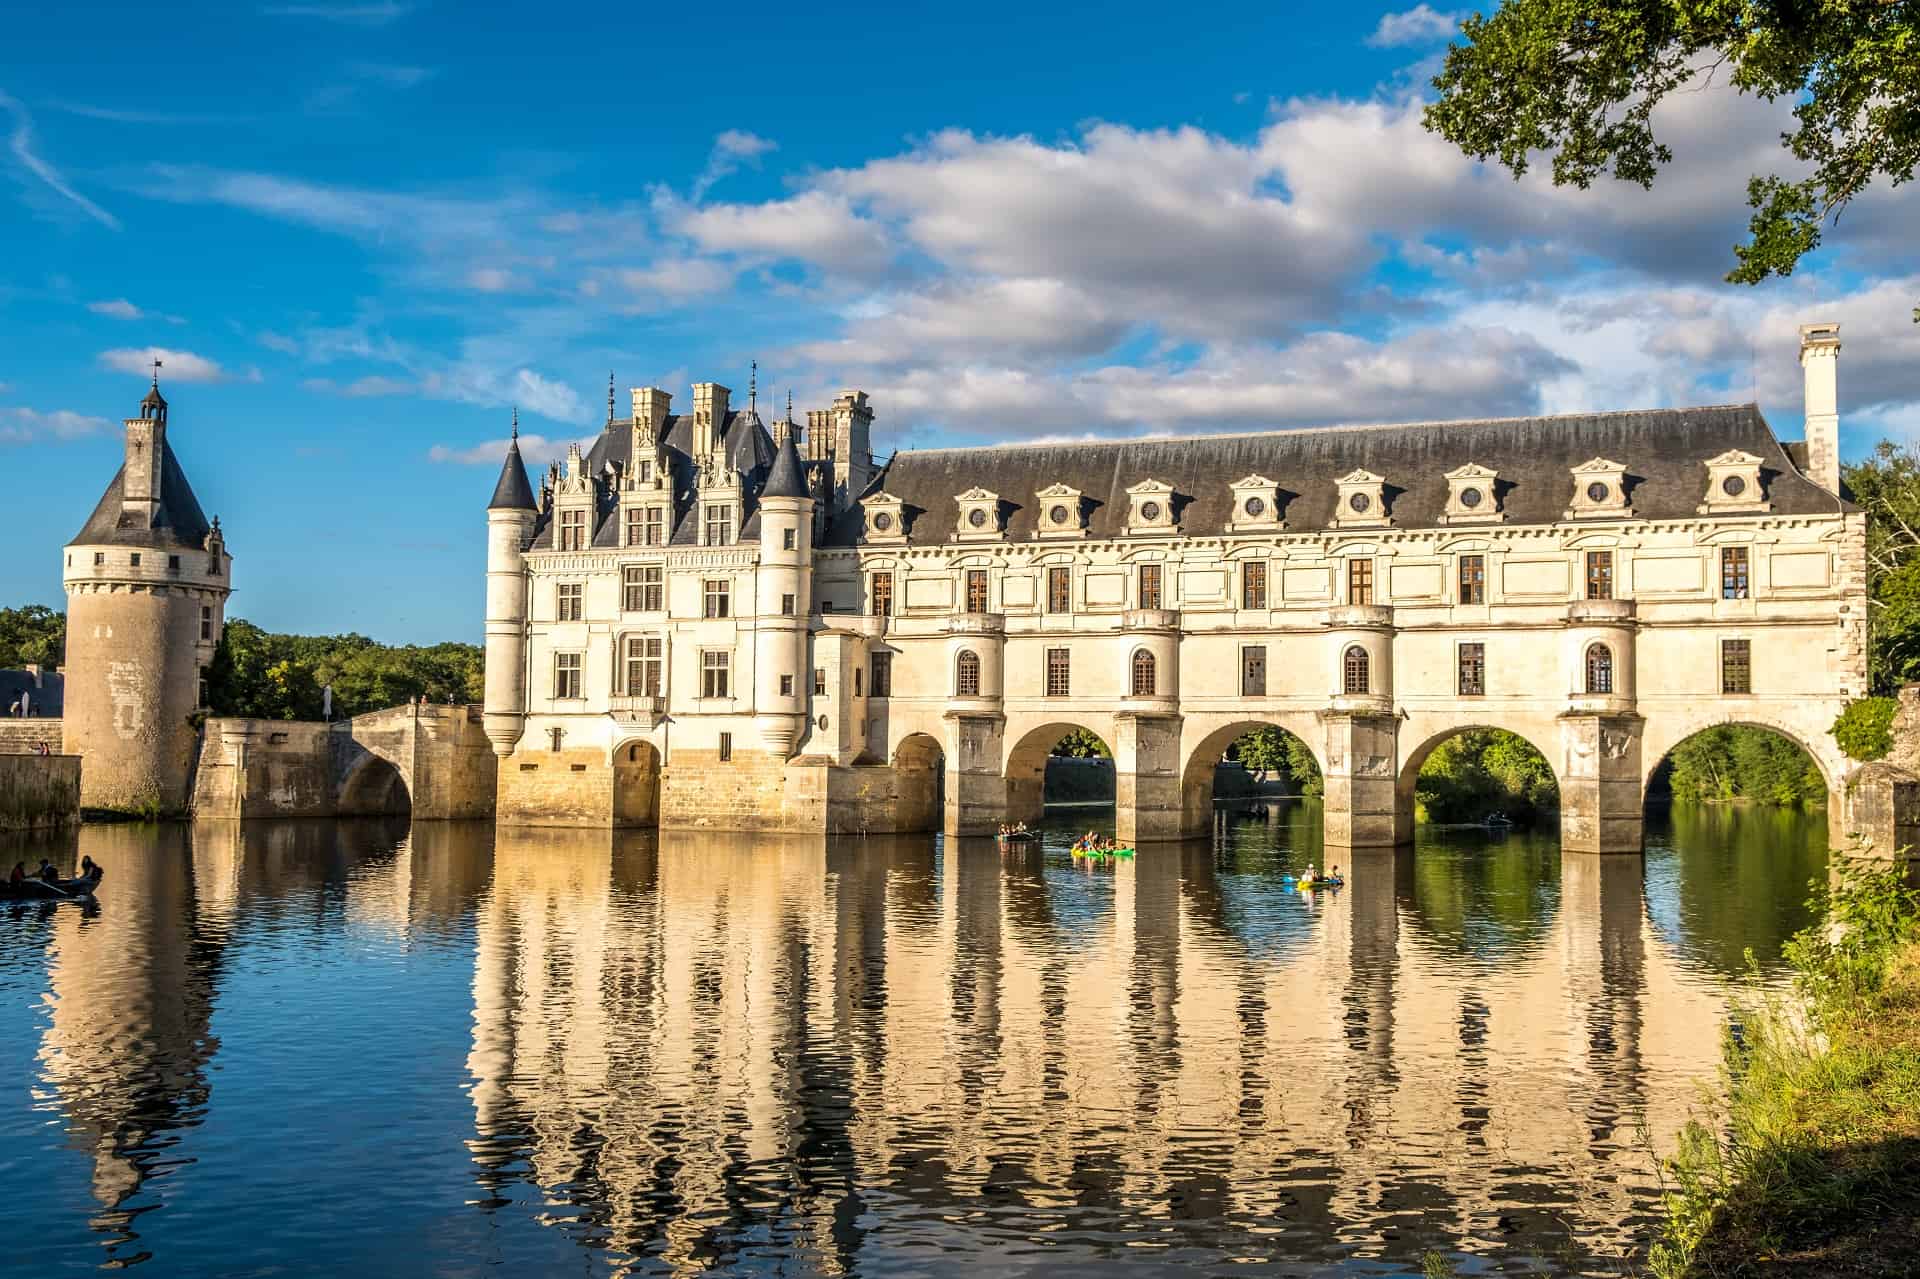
pixel 1143 674
pixel 1599 668
pixel 1354 670
pixel 966 674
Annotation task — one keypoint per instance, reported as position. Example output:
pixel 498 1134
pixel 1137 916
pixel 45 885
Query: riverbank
pixel 1813 1165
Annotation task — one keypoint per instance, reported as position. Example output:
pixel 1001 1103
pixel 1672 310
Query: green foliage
pixel 1821 1125
pixel 1482 771
pixel 262 675
pixel 1274 750
pixel 34 634
pixel 1886 485
pixel 1580 79
pixel 1080 744
pixel 1865 729
pixel 1739 762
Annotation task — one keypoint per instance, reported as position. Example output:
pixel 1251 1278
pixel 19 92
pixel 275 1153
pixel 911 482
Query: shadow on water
pixel 663 1053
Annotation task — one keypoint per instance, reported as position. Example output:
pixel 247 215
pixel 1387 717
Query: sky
pixel 359 233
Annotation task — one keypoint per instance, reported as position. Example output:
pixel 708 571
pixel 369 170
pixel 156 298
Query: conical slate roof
pixel 787 478
pixel 513 493
pixel 177 520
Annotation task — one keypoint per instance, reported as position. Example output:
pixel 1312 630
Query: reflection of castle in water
pixel 705 1044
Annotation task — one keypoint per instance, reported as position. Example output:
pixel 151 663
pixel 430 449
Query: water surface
pixel 319 1047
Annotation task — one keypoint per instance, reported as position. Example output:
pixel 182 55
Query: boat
pixel 1498 821
pixel 39 890
pixel 1015 838
pixel 1308 883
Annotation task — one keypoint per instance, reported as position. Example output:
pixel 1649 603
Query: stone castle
pixel 707 619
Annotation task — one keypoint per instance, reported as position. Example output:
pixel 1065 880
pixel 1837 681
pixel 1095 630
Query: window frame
pixel 880 678
pixel 976 577
pixel 1253 584
pixel 1599 575
pixel 1736 573
pixel 716 593
pixel 966 673
pixel 880 593
pixel 1360 581
pixel 1356 672
pixel 573 528
pixel 1059 588
pixel 1142 674
pixel 1736 670
pixel 1149 585
pixel 1598 664
pixel 569 601
pixel 1470 668
pixel 1058 672
pixel 649 664
pixel 717 516
pixel 1472 579
pixel 1247 657
pixel 569 675
pixel 716 677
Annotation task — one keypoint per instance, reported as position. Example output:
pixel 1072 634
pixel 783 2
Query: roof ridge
pixel 1333 428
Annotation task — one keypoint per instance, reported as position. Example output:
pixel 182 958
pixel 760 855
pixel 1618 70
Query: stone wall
pixel 22 736
pixel 1881 803
pixel 39 791
pixel 555 788
pixel 264 768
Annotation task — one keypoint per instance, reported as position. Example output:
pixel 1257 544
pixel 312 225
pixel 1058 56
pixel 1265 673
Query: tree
pixel 1274 750
pixel 1886 485
pixel 1579 79
pixel 1080 744
pixel 262 675
pixel 33 635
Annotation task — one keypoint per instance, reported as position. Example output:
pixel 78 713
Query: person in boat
pixel 1335 874
pixel 47 874
pixel 19 875
pixel 90 870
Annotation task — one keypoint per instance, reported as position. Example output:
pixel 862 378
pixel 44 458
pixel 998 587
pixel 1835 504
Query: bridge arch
pixel 1206 753
pixel 1028 747
pixel 636 782
pixel 1415 757
pixel 373 787
pixel 919 771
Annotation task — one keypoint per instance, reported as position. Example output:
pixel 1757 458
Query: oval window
pixel 1733 486
pixel 1255 508
pixel 822 721
pixel 1058 515
pixel 1598 492
pixel 1150 511
pixel 883 521
pixel 977 517
pixel 1360 501
pixel 1469 498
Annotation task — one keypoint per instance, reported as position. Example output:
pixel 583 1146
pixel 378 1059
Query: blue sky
pixel 358 233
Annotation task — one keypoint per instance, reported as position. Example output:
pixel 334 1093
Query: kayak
pixel 1095 854
pixel 1307 884
pixel 1012 838
pixel 64 890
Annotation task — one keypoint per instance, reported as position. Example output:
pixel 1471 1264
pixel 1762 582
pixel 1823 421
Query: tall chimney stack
pixel 1820 358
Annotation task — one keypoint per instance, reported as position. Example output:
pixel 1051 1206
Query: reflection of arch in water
pixel 1251 913
pixel 1197 776
pixel 1471 896
pixel 1026 767
pixel 374 788
pixel 1710 897
pixel 636 783
pixel 919 772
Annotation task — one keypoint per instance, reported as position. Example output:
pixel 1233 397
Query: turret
pixel 785 589
pixel 510 519
pixel 1820 358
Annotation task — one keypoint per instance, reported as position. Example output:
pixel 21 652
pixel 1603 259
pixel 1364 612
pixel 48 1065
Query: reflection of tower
pixel 1601 902
pixel 147 581
pixel 128 1043
pixel 1373 885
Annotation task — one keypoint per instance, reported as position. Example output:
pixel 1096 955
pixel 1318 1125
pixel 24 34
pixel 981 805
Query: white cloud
pixel 20 143
pixel 470 383
pixel 731 149
pixel 377 14
pixel 815 226
pixel 535 450
pixel 118 308
pixel 673 279
pixel 175 366
pixel 360 388
pixel 492 279
pixel 20 425
pixel 1422 24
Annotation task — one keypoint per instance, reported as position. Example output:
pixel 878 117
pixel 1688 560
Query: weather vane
pixel 753 386
pixel 516 421
pixel 156 374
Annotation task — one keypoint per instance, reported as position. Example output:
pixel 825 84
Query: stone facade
pixel 147 581
pixel 765 629
pixel 39 791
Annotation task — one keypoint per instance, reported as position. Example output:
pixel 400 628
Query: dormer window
pixel 1599 490
pixel 1062 512
pixel 1256 506
pixel 981 516
pixel 885 518
pixel 1473 496
pixel 1150 508
pixel 573 530
pixel 1362 501
pixel 716 527
pixel 1733 485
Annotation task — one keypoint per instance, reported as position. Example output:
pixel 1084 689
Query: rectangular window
pixel 99 558
pixel 857 673
pixel 976 590
pixel 786 606
pixel 206 623
pixel 136 559
pixel 640 587
pixel 213 565
pixel 1253 584
pixel 568 601
pixel 726 748
pixel 719 525
pixel 717 597
pixel 1599 575
pixel 1058 672
pixel 1359 581
pixel 1149 586
pixel 1736 666
pixel 643 472
pixel 1473 579
pixel 1059 590
pixel 882 593
pixel 643 666
pixel 173 563
pixel 566 675
pixel 882 675
pixel 1733 573
pixel 636 526
pixel 1473 670
pixel 786 539
pixel 573 530
pixel 819 681
pixel 656 527
pixel 716 671
pixel 826 606
pixel 786 686
pixel 1253 671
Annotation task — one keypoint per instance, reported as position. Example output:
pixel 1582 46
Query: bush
pixel 1865 729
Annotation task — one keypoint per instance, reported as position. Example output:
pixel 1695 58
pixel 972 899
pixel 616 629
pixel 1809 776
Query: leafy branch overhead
pixel 1579 80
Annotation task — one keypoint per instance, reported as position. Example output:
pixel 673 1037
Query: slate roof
pixel 745 446
pixel 177 522
pixel 48 699
pixel 1662 449
pixel 788 478
pixel 513 493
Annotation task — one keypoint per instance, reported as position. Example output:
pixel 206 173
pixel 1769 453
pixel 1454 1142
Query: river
pixel 351 1048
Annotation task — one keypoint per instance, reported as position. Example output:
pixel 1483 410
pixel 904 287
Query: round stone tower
pixel 510 519
pixel 147 581
pixel 784 588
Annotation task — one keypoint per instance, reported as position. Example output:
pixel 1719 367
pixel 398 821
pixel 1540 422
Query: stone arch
pixel 1025 769
pixel 1414 759
pixel 1196 772
pixel 373 787
pixel 1664 735
pixel 636 782
pixel 919 772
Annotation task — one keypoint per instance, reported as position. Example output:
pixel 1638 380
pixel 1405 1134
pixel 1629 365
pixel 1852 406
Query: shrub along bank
pixel 1813 1168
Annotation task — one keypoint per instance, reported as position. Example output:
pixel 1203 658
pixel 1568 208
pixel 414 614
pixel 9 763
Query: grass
pixel 1812 1165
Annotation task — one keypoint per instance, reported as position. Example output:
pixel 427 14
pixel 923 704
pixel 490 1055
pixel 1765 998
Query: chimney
pixel 651 405
pixel 146 447
pixel 709 416
pixel 1820 357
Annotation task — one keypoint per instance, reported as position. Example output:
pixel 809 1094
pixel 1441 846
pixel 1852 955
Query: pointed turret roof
pixel 513 493
pixel 788 478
